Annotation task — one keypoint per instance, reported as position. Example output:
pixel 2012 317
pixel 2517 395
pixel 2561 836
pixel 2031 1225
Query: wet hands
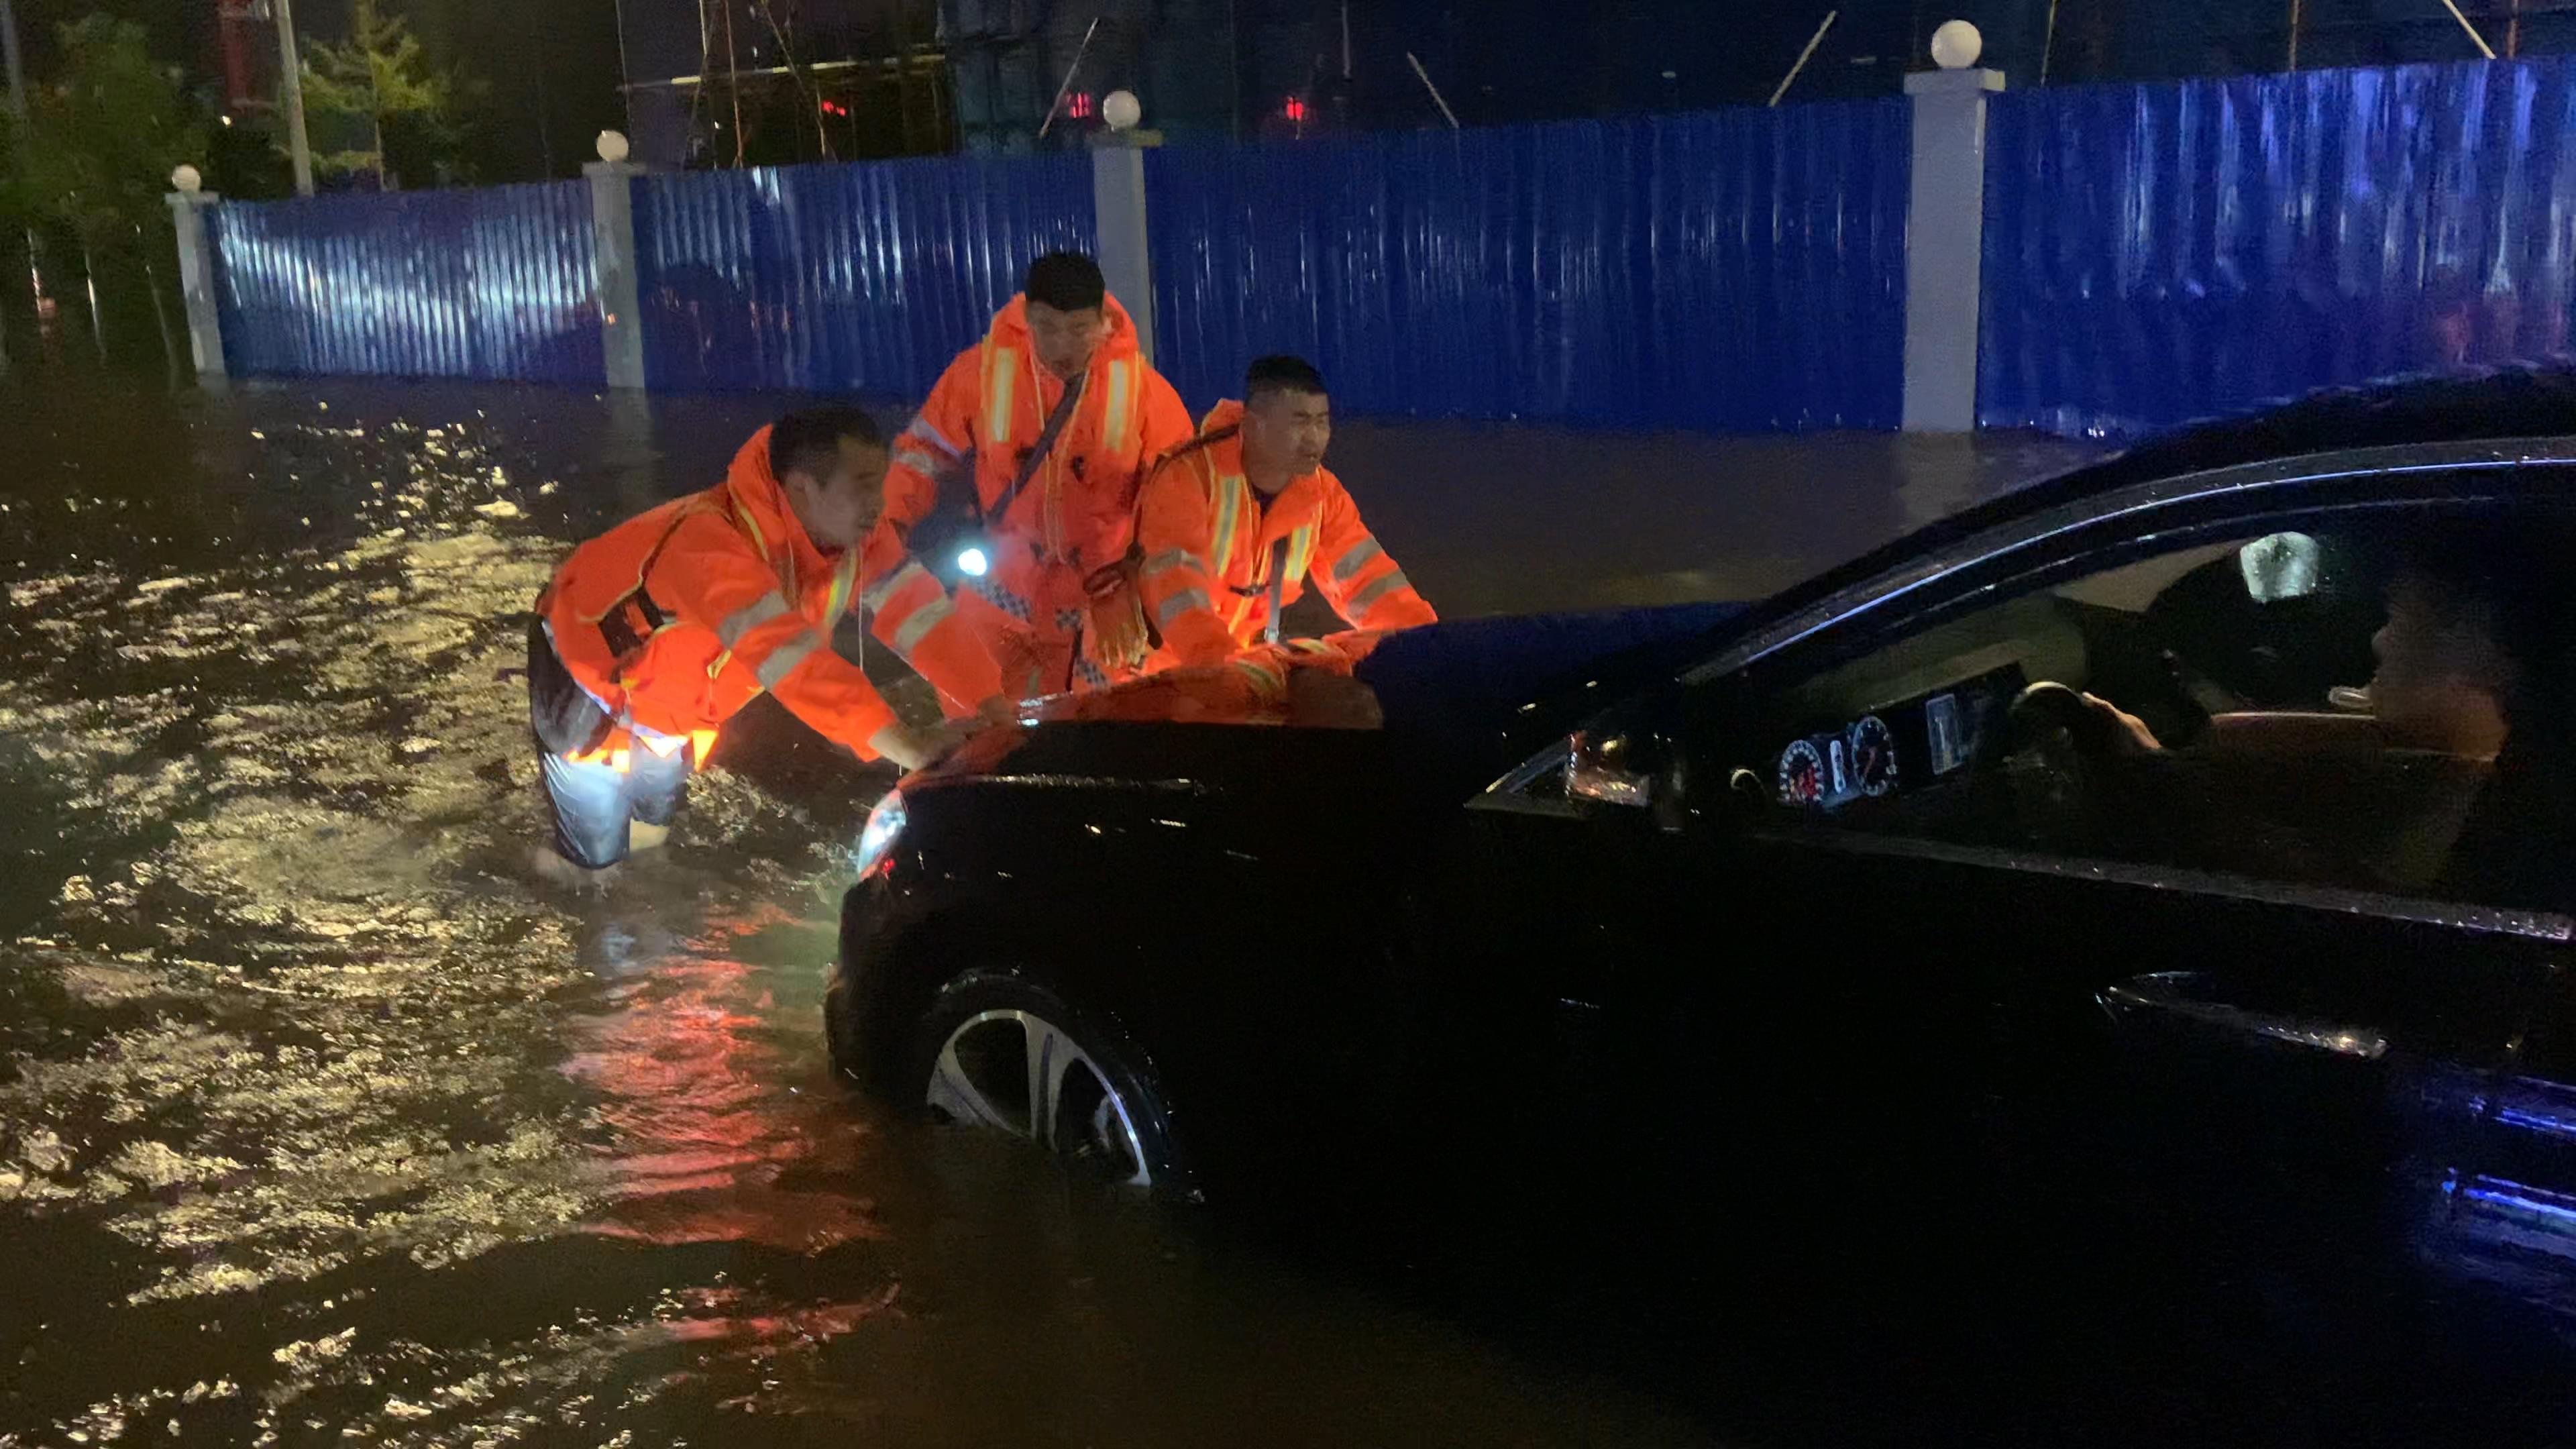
pixel 1320 699
pixel 910 748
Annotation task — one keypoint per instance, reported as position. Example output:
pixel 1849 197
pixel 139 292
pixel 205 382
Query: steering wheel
pixel 2053 752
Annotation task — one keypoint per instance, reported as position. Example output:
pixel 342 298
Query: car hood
pixel 1458 698
pixel 1472 684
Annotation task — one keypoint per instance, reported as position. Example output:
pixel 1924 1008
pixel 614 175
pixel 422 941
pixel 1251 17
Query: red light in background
pixel 833 108
pixel 1295 110
pixel 1080 106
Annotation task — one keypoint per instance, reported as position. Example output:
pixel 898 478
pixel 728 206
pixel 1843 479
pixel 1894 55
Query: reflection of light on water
pixel 317 1124
pixel 692 1089
pixel 321 1012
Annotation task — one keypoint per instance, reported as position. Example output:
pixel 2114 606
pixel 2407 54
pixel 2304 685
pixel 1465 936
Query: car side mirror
pixel 1639 770
pixel 1604 769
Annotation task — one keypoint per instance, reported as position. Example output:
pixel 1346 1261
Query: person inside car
pixel 2445 666
pixel 2470 682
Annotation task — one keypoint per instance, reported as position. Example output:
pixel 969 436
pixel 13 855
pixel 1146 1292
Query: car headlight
pixel 877 837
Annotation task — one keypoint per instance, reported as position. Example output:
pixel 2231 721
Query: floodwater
pixel 321 1123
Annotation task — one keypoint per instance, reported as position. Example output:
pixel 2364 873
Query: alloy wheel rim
pixel 1018 1073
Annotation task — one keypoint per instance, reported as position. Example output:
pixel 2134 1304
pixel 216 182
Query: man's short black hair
pixel 1281 373
pixel 809 439
pixel 1066 281
pixel 2515 568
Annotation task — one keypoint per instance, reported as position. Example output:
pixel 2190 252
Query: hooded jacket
pixel 1212 547
pixel 1076 513
pixel 677 618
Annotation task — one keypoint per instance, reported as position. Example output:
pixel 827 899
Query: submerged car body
pixel 1837 956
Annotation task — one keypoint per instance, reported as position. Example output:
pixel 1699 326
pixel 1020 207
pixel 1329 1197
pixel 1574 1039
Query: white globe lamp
pixel 186 181
pixel 1121 110
pixel 612 146
pixel 1956 45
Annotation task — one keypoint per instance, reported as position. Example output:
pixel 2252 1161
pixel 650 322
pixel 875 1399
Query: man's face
pixel 840 506
pixel 1066 340
pixel 1287 429
pixel 2441 672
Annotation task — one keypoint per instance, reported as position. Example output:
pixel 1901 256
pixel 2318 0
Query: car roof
pixel 2463 407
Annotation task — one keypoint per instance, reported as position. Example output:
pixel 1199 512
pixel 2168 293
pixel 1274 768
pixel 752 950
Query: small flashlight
pixel 972 563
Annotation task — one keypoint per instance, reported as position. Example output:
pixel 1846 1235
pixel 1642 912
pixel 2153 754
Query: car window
pixel 2376 707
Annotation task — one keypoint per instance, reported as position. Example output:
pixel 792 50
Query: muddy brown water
pixel 320 1123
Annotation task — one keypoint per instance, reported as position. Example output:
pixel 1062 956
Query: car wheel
pixel 1002 1053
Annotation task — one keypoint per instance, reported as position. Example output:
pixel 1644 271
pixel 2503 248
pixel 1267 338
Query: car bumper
pixel 855 1005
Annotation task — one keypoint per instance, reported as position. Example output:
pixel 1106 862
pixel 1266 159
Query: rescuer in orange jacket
pixel 654 634
pixel 1053 481
pixel 1230 522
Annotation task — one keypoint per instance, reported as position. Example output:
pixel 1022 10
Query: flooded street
pixel 319 1122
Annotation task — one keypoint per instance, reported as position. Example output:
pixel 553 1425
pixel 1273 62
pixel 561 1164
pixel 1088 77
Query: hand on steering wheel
pixel 2057 740
pixel 2089 722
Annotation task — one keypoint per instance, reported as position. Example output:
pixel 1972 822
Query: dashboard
pixel 1908 745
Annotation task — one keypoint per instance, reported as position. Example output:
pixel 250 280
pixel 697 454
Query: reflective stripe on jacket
pixel 1077 513
pixel 679 617
pixel 1209 548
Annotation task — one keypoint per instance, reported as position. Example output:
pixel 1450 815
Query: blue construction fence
pixel 853 278
pixel 1741 270
pixel 2151 254
pixel 2159 253
pixel 492 284
pixel 1734 271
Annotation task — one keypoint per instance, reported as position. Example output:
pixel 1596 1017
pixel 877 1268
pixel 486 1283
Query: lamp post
pixel 290 91
pixel 189 202
pixel 1945 232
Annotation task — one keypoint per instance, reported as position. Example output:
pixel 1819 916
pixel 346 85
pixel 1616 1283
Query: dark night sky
pixel 549 67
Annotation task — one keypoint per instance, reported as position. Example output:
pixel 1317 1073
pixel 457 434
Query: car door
pixel 2211 1140
pixel 2201 1144
pixel 2236 1108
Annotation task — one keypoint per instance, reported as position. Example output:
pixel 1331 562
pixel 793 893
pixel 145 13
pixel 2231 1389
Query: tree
pixel 103 139
pixel 380 84
pixel 96 157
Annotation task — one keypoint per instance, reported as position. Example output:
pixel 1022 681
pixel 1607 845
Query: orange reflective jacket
pixel 1210 550
pixel 677 618
pixel 1076 513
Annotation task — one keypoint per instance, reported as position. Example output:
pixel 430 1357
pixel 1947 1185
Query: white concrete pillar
pixel 1945 228
pixel 1118 196
pixel 197 279
pixel 612 225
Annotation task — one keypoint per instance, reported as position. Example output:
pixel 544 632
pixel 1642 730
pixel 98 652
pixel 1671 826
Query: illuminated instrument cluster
pixel 1898 747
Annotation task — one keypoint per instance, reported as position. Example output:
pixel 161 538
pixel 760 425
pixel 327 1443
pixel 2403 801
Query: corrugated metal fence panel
pixel 494 283
pixel 1740 270
pixel 859 277
pixel 2160 253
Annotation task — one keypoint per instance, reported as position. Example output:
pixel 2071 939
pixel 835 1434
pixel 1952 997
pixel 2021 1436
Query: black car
pixel 2116 934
